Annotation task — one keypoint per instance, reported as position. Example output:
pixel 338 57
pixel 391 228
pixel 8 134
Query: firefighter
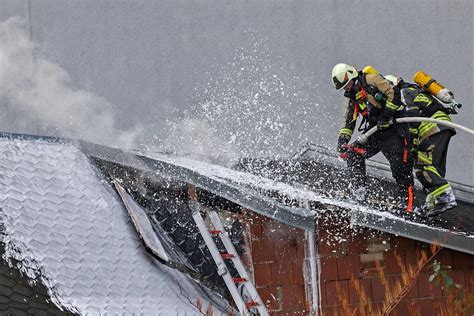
pixel 378 102
pixel 430 145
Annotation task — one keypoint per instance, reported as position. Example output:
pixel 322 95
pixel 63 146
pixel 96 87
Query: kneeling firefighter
pixel 378 102
pixel 430 143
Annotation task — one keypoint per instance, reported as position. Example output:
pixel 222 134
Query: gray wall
pixel 231 78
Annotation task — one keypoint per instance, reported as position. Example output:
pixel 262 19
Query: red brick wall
pixel 278 253
pixel 341 261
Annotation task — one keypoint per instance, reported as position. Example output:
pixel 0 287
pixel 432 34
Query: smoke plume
pixel 37 95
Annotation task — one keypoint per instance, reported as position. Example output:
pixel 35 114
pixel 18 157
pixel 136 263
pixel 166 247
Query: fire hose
pixel 362 139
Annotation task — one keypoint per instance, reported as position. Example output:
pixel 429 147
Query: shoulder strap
pixel 369 88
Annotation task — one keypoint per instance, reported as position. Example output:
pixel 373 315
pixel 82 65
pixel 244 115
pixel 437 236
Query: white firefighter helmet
pixel 342 74
pixel 393 79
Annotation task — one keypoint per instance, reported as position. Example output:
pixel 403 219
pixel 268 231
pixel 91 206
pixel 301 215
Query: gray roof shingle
pixel 68 229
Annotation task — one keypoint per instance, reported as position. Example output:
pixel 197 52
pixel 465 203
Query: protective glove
pixel 342 146
pixel 357 148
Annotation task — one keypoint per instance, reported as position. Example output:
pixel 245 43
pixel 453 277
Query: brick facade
pixel 346 259
pixel 278 258
pixel 278 255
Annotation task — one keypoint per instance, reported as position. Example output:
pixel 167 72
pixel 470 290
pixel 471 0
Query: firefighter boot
pixel 441 203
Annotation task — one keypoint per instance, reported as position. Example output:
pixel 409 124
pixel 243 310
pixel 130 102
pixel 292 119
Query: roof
pixel 67 228
pixel 452 229
pixel 304 190
pixel 310 151
pixel 58 207
pixel 16 288
pixel 238 187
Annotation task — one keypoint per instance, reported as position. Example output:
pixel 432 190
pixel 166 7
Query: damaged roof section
pixel 238 187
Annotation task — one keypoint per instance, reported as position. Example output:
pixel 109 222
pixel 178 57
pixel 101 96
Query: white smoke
pixel 37 95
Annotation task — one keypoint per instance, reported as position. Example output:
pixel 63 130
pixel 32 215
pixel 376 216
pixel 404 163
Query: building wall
pixel 342 262
pixel 278 259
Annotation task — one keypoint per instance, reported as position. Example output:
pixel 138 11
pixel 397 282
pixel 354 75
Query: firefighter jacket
pixel 421 104
pixel 374 98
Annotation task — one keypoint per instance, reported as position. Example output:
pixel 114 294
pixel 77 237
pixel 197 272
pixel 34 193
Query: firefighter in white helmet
pixel 377 101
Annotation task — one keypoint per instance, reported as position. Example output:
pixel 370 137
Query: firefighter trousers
pixel 430 163
pixel 396 148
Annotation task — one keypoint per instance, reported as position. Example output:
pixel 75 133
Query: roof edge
pixel 445 238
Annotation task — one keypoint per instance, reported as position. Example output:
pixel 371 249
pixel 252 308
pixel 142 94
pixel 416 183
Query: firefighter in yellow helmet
pixel 374 99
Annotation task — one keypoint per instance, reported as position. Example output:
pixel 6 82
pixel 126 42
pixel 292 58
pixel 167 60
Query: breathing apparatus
pixel 427 83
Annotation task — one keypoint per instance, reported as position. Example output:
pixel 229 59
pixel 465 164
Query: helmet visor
pixel 340 84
